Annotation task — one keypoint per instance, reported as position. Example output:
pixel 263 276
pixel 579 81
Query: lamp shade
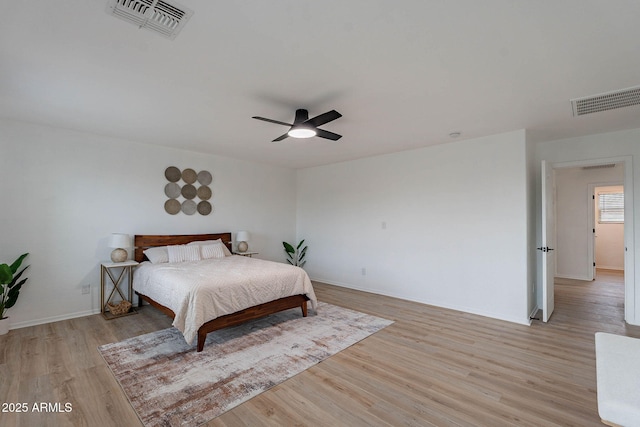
pixel 119 240
pixel 242 236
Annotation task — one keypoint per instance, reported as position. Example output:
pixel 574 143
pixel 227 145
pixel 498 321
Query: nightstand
pixel 108 269
pixel 249 254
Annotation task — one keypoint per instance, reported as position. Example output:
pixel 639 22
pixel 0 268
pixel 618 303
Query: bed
pixel 204 296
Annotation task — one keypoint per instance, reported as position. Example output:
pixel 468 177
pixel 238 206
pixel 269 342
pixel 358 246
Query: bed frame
pixel 143 242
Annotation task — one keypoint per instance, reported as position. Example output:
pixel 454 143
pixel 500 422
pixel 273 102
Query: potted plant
pixel 10 285
pixel 295 256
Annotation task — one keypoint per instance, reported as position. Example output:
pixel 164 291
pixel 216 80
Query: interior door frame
pixel 629 258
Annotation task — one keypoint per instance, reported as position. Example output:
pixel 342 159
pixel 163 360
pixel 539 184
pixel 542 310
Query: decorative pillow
pixel 212 251
pixel 157 255
pixel 211 242
pixel 181 253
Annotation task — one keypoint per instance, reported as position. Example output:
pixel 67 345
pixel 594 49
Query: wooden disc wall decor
pixel 189 207
pixel 172 206
pixel 188 191
pixel 173 174
pixel 204 192
pixel 204 208
pixel 204 178
pixel 189 176
pixel 172 190
pixel 195 200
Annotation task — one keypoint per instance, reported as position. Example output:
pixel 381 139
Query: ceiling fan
pixel 304 127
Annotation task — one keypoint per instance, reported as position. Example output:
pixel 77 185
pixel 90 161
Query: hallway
pixel 598 304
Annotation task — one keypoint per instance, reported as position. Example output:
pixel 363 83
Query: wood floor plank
pixel 432 367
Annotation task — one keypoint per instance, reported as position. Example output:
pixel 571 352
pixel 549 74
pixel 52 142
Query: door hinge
pixel 594 264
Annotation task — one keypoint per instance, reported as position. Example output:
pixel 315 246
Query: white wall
pixel 614 145
pixel 444 225
pixel 609 236
pixel 574 224
pixel 64 192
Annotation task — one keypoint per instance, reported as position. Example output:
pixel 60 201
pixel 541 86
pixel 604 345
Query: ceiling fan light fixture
pixel 301 132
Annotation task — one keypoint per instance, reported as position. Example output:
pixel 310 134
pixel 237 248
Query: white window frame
pixel 614 212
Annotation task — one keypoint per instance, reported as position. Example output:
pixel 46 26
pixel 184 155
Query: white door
pixel 593 232
pixel 548 239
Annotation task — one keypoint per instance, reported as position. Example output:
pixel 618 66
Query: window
pixel 611 207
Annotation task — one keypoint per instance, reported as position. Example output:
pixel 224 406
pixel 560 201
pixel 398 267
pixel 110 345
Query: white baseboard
pixel 604 267
pixel 52 319
pixel 526 322
pixel 568 276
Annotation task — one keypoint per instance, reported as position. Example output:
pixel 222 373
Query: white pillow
pixel 211 242
pixel 212 251
pixel 157 255
pixel 181 253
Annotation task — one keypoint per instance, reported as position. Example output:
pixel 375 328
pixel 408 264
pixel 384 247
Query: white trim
pixel 629 257
pixel 438 304
pixel 605 267
pixel 54 319
pixel 583 278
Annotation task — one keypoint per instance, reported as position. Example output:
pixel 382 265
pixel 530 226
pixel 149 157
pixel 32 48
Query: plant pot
pixel 4 325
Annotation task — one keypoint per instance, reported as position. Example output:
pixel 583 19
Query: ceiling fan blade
pixel 271 121
pixel 281 137
pixel 323 118
pixel 328 135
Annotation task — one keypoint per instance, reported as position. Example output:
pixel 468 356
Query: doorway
pixel 575 246
pixel 608 229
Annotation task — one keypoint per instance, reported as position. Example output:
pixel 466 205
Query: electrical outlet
pixel 86 289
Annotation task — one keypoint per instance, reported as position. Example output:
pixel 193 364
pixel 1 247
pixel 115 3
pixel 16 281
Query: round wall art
pixel 188 191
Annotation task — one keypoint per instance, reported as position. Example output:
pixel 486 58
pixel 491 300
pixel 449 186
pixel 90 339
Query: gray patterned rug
pixel 169 384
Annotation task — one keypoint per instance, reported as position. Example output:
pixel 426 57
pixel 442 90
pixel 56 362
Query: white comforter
pixel 199 291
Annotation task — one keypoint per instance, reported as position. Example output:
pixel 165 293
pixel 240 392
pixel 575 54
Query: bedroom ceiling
pixel 403 74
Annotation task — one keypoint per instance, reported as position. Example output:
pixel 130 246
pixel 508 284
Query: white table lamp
pixel 119 241
pixel 242 237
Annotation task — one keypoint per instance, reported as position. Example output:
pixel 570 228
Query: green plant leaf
pixel 17 276
pixel 6 276
pixel 18 286
pixel 9 293
pixel 300 244
pixel 16 264
pixel 288 248
pixel 12 296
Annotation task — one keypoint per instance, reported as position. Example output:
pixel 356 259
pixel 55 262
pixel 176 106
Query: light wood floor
pixel 433 366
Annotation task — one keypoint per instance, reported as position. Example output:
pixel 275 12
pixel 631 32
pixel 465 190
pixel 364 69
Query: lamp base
pixel 119 255
pixel 242 246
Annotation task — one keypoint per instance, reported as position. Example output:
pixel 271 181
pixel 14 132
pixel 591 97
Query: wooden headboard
pixel 145 241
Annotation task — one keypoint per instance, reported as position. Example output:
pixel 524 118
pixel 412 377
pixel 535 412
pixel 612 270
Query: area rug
pixel 169 384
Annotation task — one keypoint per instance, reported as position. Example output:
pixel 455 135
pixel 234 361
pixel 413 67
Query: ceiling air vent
pixel 166 18
pixel 606 101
